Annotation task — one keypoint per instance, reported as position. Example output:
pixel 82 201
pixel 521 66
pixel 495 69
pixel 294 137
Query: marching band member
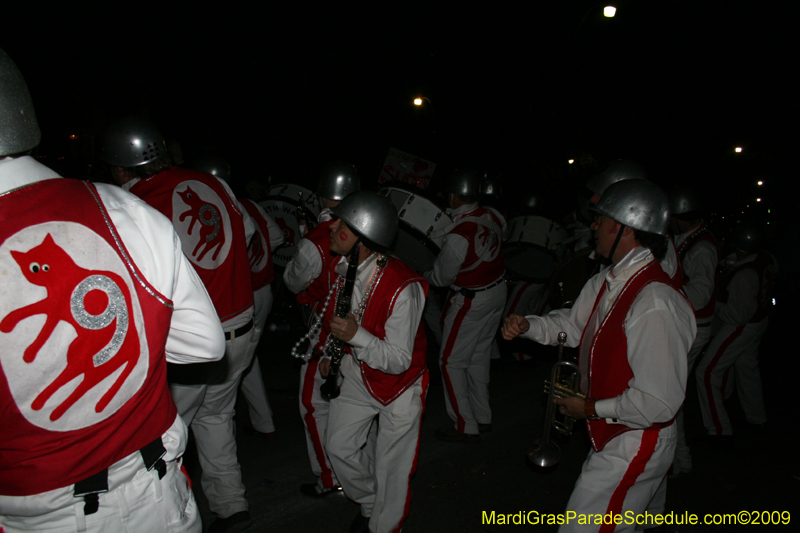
pixel 471 263
pixel 633 329
pixel 740 320
pixel 698 253
pixel 107 288
pixel 268 237
pixel 214 234
pixel 309 274
pixel 385 372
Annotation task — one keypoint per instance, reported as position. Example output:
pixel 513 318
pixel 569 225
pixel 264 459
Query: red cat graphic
pixel 97 304
pixel 211 234
pixel 256 250
pixel 288 232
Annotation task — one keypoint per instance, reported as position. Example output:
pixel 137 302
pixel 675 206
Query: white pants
pixel 737 347
pixel 253 382
pixel 314 412
pixel 627 475
pixel 380 483
pixel 145 503
pixel 469 327
pixel 683 458
pixel 209 410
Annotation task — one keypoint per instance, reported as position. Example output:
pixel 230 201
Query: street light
pixel 738 149
pixel 609 11
pixel 418 101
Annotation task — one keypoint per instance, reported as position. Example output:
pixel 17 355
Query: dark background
pixel 513 87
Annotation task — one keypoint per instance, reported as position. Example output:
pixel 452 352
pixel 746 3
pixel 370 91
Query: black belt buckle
pixel 152 455
pixel 468 293
pixel 89 489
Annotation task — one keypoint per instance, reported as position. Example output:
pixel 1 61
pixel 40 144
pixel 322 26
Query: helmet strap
pixel 616 242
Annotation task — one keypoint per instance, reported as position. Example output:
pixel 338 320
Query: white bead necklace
pixel 377 274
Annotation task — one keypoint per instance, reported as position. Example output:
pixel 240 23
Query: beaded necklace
pixel 377 274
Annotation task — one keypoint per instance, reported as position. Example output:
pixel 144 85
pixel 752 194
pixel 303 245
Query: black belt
pixel 230 335
pixel 90 488
pixel 470 293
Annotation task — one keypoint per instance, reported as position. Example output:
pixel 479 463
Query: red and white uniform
pixel 740 319
pixel 634 331
pixel 471 258
pixel 214 232
pixel 262 272
pixel 385 375
pixel 310 275
pixel 698 252
pixel 93 283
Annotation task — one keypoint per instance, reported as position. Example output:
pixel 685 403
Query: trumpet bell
pixel 544 454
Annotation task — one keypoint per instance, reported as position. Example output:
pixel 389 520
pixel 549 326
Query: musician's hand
pixel 514 326
pixel 344 329
pixel 324 366
pixel 572 407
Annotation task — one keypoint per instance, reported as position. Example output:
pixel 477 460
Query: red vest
pixel 702 233
pixel 82 370
pixel 211 230
pixel 387 387
pixel 609 371
pixel 763 265
pixel 481 266
pixel 318 290
pixel 262 271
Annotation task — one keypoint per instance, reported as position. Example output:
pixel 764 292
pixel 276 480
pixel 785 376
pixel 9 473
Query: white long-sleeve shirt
pixel 392 355
pixel 659 327
pixel 699 265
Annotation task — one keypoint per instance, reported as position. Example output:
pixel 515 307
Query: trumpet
pixel 565 381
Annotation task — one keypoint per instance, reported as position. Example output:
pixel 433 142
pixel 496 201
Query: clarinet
pixel 330 389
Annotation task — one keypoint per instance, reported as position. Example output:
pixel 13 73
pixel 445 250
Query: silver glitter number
pixel 117 308
pixel 213 221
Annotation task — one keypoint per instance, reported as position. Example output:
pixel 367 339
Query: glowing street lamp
pixel 418 101
pixel 571 161
pixel 760 183
pixel 738 149
pixel 609 11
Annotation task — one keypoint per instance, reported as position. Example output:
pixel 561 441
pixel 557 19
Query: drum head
pixel 283 203
pixel 418 217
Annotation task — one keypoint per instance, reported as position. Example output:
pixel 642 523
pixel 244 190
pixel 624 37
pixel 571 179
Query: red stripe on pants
pixel 635 469
pixel 407 507
pixel 712 406
pixel 515 303
pixel 311 423
pixel 448 350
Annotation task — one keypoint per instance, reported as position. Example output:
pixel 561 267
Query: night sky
pixel 513 87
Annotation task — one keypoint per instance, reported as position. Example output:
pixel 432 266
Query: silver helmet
pixel 492 185
pixel 371 215
pixel 131 141
pixel 617 170
pixel 19 131
pixel 683 200
pixel 338 180
pixel 464 182
pixel 746 236
pixel 214 165
pixel 638 204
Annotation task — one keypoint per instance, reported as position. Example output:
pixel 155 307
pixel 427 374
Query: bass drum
pixel 418 217
pixel 288 204
pixel 532 248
